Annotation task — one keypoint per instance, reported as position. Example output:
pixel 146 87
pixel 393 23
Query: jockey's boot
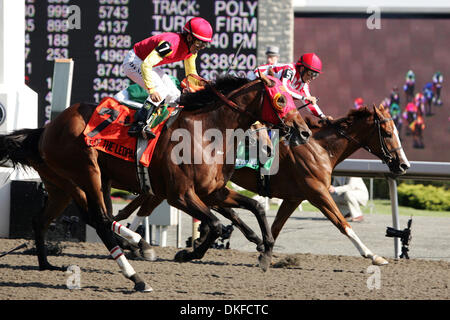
pixel 140 121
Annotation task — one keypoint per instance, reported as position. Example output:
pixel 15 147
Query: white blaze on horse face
pixel 402 154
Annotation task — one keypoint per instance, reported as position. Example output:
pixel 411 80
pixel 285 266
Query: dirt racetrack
pixel 220 275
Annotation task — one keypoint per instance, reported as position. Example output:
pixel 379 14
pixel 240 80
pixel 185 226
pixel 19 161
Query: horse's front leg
pixel 57 201
pixel 230 198
pixel 195 207
pixel 131 207
pixel 284 212
pixel 245 229
pixel 320 197
pixel 147 204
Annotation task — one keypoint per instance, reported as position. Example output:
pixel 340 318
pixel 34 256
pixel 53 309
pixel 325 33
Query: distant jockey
pixel 428 95
pixel 419 101
pixel 358 103
pixel 410 82
pixel 395 97
pixel 438 78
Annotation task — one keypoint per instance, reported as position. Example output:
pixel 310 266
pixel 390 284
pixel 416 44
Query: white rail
pixel 419 170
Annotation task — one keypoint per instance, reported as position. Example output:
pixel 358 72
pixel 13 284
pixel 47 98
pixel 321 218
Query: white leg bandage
pixel 136 223
pixel 126 233
pixel 125 266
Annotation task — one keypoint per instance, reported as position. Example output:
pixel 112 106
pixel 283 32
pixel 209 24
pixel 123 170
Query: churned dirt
pixel 220 275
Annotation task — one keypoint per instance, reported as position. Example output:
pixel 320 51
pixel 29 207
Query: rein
pixel 226 99
pixel 387 154
pixel 233 106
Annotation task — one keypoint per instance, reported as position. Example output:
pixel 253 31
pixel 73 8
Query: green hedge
pixel 427 197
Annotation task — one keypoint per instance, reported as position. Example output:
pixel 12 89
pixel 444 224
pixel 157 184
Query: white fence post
pixel 395 221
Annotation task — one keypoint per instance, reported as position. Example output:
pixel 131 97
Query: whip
pixel 23 245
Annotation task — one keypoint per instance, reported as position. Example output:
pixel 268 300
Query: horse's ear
pixel 381 107
pixel 266 80
pixel 270 72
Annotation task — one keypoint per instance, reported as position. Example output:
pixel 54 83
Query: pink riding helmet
pixel 199 28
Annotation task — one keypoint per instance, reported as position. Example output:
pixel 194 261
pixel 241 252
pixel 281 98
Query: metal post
pixel 394 206
pixel 178 228
pixel 61 86
pixel 195 232
pixel 147 229
pixel 371 195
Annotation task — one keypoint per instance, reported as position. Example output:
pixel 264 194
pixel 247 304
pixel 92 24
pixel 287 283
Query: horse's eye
pixel 387 134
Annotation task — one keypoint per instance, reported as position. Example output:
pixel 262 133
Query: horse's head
pixel 385 143
pixel 279 109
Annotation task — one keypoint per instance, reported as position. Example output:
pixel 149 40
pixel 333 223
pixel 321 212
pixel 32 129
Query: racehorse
pixel 70 169
pixel 309 167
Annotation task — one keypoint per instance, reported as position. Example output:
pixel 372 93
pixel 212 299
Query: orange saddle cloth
pixel 107 131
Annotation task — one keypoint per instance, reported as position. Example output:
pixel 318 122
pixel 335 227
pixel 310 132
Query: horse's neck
pixel 339 147
pixel 227 117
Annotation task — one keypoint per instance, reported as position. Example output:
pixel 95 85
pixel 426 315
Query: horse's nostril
pixel 306 134
pixel 404 166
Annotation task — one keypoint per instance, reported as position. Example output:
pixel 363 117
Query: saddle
pixel 107 131
pixel 253 160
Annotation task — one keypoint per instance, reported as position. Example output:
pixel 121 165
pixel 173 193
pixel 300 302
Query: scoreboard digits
pixel 97 35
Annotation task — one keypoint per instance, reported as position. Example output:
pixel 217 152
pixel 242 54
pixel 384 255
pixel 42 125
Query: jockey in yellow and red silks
pixel 142 65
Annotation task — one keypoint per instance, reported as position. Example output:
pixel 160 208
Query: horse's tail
pixel 20 146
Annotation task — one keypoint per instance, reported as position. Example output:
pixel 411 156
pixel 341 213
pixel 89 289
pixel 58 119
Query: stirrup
pixel 147 133
pixel 136 129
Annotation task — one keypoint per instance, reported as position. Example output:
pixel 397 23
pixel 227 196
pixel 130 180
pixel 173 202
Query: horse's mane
pixel 206 98
pixel 345 122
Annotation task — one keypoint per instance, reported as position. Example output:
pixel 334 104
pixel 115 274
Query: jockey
pixel 438 78
pixel 419 100
pixel 409 85
pixel 142 66
pixel 395 97
pixel 358 103
pixel 410 78
pixel 296 78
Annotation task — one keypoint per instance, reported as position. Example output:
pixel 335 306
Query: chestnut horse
pixel 309 167
pixel 72 170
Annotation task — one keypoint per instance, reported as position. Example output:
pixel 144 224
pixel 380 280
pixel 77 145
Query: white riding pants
pixel 163 83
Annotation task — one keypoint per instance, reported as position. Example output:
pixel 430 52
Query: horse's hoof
pixel 182 256
pixel 379 261
pixel 149 255
pixel 260 247
pixel 264 261
pixel 139 284
pixel 142 287
pixel 146 251
pixel 134 255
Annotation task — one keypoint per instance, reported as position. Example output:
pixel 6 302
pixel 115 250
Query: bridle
pixel 286 130
pixel 386 153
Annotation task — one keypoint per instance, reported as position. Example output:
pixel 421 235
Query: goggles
pixel 199 44
pixel 312 74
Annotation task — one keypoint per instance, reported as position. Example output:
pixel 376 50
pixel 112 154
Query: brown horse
pixel 72 170
pixel 309 167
